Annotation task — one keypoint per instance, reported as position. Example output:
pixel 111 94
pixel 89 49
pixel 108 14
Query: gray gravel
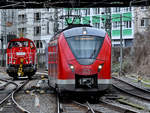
pixel 40 103
pixel 35 101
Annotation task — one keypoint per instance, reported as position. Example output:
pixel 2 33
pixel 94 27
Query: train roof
pixel 76 31
pixel 20 39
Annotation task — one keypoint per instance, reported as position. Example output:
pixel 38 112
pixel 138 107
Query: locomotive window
pixel 24 43
pixel 18 44
pixel 85 47
pixel 31 45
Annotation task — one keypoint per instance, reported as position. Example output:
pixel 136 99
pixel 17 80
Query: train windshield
pixel 18 44
pixel 85 47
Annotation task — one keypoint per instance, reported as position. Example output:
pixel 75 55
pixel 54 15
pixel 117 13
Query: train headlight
pixel 72 67
pixel 100 67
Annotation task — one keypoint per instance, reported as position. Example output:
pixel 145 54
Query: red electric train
pixel 79 60
pixel 21 58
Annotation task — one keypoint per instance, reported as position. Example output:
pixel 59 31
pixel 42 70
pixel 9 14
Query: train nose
pixel 85 71
pixel 86 61
pixel 86 81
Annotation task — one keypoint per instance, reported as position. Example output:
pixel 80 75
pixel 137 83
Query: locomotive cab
pixel 21 58
pixel 85 48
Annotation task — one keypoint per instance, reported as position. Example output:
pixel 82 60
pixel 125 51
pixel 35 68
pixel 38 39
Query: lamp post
pixel 120 45
pixel 4 37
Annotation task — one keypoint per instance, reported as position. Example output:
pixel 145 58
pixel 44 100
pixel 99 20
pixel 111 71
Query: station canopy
pixel 6 4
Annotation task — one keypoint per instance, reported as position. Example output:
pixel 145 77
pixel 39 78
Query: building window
pixel 128 42
pixel 37 31
pixel 144 22
pixel 79 12
pixel 47 27
pixel 96 25
pixel 69 12
pixel 86 12
pixel 37 16
pixel 75 12
pixel 127 24
pixel 127 9
pixel 22 31
pixel 144 7
pixel 116 25
pixel 96 10
pixel 117 9
pixel 22 18
pixel 38 43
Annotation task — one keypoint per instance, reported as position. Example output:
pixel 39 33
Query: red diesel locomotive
pixel 79 60
pixel 21 58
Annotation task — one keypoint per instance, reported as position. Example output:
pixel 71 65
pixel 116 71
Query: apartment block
pixel 108 19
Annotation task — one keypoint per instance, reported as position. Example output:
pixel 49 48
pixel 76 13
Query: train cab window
pixel 12 44
pixel 24 43
pixel 85 47
pixel 18 44
pixel 31 45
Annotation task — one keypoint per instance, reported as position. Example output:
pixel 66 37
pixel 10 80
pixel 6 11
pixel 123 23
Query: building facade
pixel 37 25
pixel 108 19
pixel 142 19
pixel 8 26
pixel 41 24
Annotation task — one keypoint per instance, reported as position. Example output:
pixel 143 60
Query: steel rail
pixel 13 99
pixel 90 108
pixel 118 107
pixel 12 94
pixel 7 83
pixel 3 80
pixel 58 104
pixel 145 90
pixel 3 100
pixel 137 92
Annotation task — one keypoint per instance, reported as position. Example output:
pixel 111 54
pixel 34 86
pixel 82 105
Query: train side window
pixel 12 44
pixel 25 44
pixel 31 45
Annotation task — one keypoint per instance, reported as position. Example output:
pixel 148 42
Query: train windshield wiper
pixel 93 53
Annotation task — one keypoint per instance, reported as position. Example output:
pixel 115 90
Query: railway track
pixel 70 106
pixel 102 107
pixel 74 107
pixel 7 102
pixel 131 89
pixel 112 107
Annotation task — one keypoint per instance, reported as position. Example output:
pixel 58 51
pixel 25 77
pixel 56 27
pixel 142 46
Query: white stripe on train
pixel 100 81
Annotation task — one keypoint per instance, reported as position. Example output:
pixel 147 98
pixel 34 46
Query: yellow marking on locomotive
pixel 20 72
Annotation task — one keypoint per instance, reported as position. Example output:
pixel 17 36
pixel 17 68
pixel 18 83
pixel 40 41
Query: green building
pixel 108 19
